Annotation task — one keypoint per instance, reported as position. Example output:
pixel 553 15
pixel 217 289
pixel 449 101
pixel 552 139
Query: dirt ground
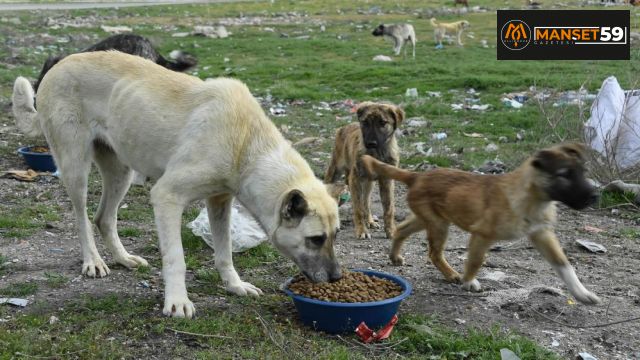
pixel 520 290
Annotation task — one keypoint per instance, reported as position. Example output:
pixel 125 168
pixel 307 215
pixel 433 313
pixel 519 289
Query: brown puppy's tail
pixel 433 22
pixel 374 166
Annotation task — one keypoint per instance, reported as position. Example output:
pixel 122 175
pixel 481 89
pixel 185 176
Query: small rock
pixel 382 58
pixel 503 139
pixel 411 92
pixel 506 354
pixel 491 147
pixel 615 211
pixel 460 321
pixel 416 122
pixel 439 136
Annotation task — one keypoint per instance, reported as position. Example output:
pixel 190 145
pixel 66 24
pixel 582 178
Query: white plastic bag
pixel 613 129
pixel 245 231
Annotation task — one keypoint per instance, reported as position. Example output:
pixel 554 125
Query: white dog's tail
pixel 23 108
pixel 433 21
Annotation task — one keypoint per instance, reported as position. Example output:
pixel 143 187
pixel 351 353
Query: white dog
pixel 200 140
pixel 440 29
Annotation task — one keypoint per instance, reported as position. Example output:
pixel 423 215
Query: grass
pixel 330 66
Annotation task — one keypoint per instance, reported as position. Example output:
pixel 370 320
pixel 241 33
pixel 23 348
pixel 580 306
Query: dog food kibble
pixel 353 287
pixel 39 149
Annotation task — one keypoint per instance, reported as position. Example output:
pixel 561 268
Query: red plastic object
pixel 367 335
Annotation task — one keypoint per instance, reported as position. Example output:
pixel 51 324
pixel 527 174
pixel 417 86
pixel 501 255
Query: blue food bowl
pixel 38 161
pixel 335 317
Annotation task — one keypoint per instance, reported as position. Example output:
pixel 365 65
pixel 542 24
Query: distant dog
pixel 441 29
pixel 461 2
pixel 206 140
pixel 374 134
pixel 400 34
pixel 493 208
pixel 129 44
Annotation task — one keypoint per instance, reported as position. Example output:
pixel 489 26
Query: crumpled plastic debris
pixel 512 103
pixel 586 356
pixel 278 111
pixel 506 354
pixel 14 301
pixel 382 58
pixel 592 246
pixel 367 335
pixel 23 175
pixel 116 29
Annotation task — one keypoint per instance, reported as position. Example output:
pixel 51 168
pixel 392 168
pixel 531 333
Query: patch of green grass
pixel 257 256
pixel 630 233
pixel 26 218
pixel 55 280
pixel 129 232
pixel 425 337
pixel 610 199
pixel 19 289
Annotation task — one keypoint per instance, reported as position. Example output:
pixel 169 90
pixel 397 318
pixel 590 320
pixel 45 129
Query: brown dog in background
pixel 374 134
pixel 495 207
pixel 441 29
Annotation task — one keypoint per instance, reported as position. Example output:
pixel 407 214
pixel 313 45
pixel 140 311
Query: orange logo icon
pixel 515 35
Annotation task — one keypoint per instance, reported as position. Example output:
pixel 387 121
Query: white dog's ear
pixel 294 208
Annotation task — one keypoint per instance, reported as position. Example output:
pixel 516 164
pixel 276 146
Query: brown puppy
pixel 495 207
pixel 374 134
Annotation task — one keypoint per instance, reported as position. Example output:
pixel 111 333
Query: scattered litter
pixel 420 148
pixel 244 230
pixel 53 319
pixel 573 97
pixel 56 250
pixel 555 343
pixel 215 32
pixel 180 34
pixel 494 275
pixel 506 354
pixel 144 284
pixel 484 43
pixel 593 229
pixel 503 139
pixel 382 58
pixel 520 135
pixel 277 111
pixel 434 94
pixel 14 301
pixel 614 125
pixel 492 167
pixel 592 246
pixel 460 321
pixel 512 103
pixel 439 136
pixel 116 29
pixel 307 141
pixel 439 46
pixel 491 147
pixel 411 92
pixel 323 28
pixel 480 107
pixel 586 356
pixel 416 122
pixel 367 335
pixel 23 175
pixel 473 135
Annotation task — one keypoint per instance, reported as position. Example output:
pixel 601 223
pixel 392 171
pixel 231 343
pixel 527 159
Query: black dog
pixel 130 44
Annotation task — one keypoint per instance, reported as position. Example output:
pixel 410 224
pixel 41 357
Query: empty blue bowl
pixel 37 161
pixel 336 318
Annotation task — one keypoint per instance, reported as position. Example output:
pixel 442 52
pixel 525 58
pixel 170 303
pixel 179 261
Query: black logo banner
pixel 563 34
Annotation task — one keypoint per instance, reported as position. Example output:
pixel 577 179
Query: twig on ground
pixel 205 335
pixel 270 333
pixel 584 326
pixel 57 356
pixel 437 293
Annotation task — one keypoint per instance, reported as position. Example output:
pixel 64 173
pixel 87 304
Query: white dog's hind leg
pixel 168 208
pixel 73 160
pixel 219 211
pixel 116 178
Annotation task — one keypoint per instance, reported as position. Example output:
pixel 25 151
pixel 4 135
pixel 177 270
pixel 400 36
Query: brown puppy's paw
pixel 396 260
pixel 454 278
pixel 363 235
pixel 390 232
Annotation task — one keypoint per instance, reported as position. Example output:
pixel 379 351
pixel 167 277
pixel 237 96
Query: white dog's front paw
pixel 588 298
pixel 244 289
pixel 95 267
pixel 364 235
pixel 473 285
pixel 179 306
pixel 131 261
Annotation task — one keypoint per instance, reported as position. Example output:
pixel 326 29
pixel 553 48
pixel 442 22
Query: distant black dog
pixel 130 44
